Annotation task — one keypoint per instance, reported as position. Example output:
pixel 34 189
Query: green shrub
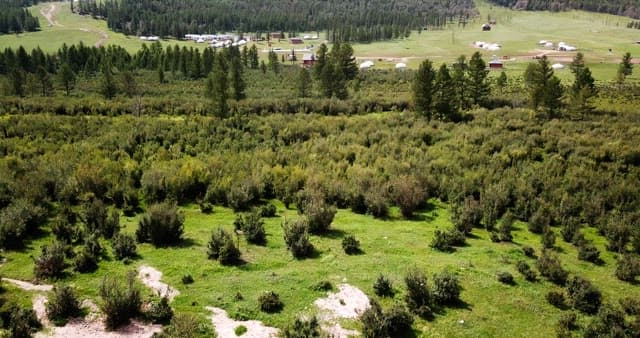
pixel 319 215
pixel 505 278
pixel 376 204
pixel 585 296
pixel 252 227
pixel 609 322
pixel 270 302
pixel 124 246
pixel 467 215
pixel 588 252
pixel 240 330
pixel 51 263
pixel 268 210
pixel 376 323
pixel 85 261
pixel 549 267
pixel 567 322
pixel 630 305
pixel 505 227
pixel 529 251
pixel 159 312
pixel 63 305
pixel 446 288
pixel 22 322
pixel 383 287
pixel 526 271
pixel 162 225
pixel 569 230
pixel 418 297
pixel 222 248
pixel 539 220
pixel 303 328
pixel 556 298
pixel 324 285
pixel 408 194
pixel 445 241
pixel 351 245
pixel 548 238
pixel 187 279
pixel 297 238
pixel 627 268
pixel 19 220
pixel 206 207
pixel 188 325
pixel 120 302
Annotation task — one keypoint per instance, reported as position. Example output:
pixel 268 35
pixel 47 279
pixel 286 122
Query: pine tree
pixel 67 78
pixel 161 78
pixel 304 82
pixel 423 89
pixel 128 83
pixel 626 65
pixel 44 78
pixel 274 64
pixel 321 61
pixel 253 57
pixel 545 89
pixel 217 87
pixel 443 98
pixel 108 87
pixel 459 78
pixel 582 90
pixel 237 81
pixel 478 83
pixel 18 80
pixel 501 81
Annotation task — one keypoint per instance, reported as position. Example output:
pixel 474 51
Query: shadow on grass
pixel 333 234
pixel 186 243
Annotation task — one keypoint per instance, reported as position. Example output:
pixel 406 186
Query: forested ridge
pixel 352 20
pixel 15 18
pixel 630 8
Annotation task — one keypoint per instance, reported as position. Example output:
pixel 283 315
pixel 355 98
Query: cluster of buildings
pixel 561 46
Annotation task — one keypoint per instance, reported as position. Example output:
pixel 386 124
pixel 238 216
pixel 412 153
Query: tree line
pixel 618 7
pixel 14 18
pixel 346 20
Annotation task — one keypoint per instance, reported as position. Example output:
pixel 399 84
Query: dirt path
pixel 225 326
pixel 103 38
pixel 29 286
pixel 50 15
pixel 151 277
pixel 348 303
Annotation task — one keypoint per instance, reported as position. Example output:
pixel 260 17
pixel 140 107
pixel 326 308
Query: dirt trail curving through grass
pixel 103 38
pixel 151 277
pixel 29 286
pixel 50 15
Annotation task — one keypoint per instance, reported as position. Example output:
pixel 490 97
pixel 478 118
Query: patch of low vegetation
pixel 63 305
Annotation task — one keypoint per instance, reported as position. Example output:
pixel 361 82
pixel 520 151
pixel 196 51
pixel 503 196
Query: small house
pixel 276 35
pixel 296 41
pixel 496 64
pixel 486 27
pixel 308 60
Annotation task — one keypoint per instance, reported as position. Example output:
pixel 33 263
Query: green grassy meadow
pixel 390 247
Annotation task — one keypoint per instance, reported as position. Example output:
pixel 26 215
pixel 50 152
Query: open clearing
pixel 225 326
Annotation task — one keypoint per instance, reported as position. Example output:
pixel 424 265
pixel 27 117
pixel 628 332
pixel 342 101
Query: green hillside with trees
pixel 630 8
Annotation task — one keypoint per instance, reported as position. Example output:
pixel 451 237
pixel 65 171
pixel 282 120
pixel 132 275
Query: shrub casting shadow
pixel 333 233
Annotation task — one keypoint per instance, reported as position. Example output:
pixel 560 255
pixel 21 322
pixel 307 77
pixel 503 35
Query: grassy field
pixel 390 247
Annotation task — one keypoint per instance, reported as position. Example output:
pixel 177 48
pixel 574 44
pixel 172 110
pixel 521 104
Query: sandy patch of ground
pixel 225 326
pixel 348 303
pixel 29 286
pixel 151 277
pixel 81 328
pixel 90 326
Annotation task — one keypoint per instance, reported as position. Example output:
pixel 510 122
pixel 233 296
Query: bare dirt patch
pixel 348 303
pixel 29 286
pixel 50 15
pixel 225 326
pixel 151 277
pixel 90 326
